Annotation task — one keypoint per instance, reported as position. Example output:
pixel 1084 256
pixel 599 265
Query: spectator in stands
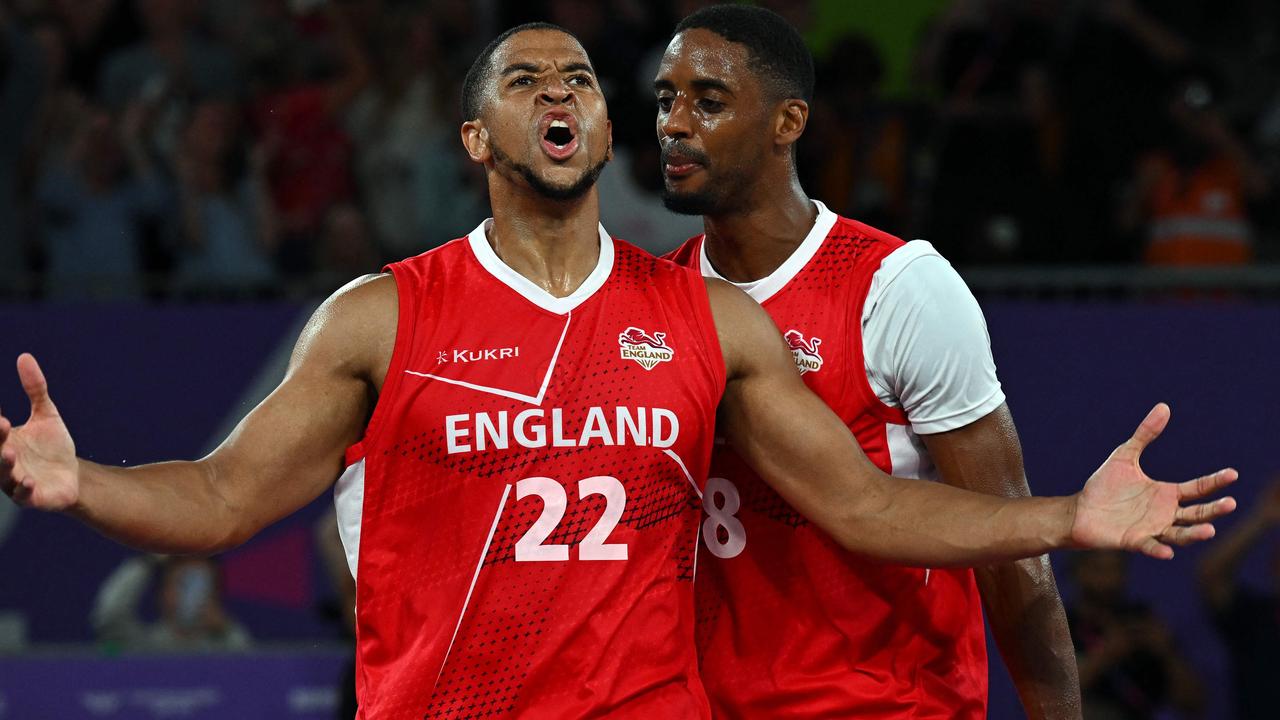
pixel 96 29
pixel 226 227
pixel 855 155
pixel 1248 618
pixel 92 204
pixel 172 58
pixel 1191 194
pixel 23 76
pixel 346 247
pixel 189 601
pixel 403 128
pixel 1115 57
pixel 1130 668
pixel 171 66
pixel 298 110
pixel 991 60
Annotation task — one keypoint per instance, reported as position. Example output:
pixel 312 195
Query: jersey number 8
pixel 722 516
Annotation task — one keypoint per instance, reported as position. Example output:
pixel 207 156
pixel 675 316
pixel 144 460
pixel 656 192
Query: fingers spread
pixel 1151 426
pixel 1149 429
pixel 33 383
pixel 21 494
pixel 1206 484
pixel 1205 512
pixel 1154 548
pixel 1178 535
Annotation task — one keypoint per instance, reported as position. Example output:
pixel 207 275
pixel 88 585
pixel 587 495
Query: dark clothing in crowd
pixel 1250 628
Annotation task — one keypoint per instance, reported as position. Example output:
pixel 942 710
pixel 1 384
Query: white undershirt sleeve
pixel 925 342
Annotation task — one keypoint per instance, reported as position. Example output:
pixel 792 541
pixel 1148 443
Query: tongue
pixel 559 152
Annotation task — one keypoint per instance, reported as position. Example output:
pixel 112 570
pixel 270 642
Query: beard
pixel 704 202
pixel 561 193
pixel 715 197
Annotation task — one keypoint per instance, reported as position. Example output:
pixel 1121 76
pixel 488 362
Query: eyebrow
pixel 533 68
pixel 697 83
pixel 517 66
pixel 578 67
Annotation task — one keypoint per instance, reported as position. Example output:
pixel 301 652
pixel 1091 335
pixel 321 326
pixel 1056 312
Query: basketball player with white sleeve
pixel 791 624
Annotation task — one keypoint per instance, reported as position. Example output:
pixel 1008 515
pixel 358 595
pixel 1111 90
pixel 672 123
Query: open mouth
pixel 559 135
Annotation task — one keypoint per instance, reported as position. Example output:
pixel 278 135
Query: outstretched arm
pixel 807 454
pixel 283 454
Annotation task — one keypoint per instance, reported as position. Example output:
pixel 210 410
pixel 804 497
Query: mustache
pixel 679 148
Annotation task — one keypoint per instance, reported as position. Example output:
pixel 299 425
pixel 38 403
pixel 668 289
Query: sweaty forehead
pixel 550 48
pixel 703 54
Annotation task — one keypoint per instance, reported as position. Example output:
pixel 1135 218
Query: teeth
pixel 559 124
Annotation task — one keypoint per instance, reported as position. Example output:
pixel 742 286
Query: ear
pixel 608 131
pixel 475 138
pixel 793 116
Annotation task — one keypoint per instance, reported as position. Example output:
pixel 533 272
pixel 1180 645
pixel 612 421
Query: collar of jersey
pixel 489 260
pixel 768 286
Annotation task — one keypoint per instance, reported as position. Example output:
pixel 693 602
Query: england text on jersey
pixel 536 428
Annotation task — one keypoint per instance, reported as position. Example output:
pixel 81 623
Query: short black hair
pixel 773 45
pixel 472 85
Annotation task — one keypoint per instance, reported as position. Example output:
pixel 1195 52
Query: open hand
pixel 38 466
pixel 1121 508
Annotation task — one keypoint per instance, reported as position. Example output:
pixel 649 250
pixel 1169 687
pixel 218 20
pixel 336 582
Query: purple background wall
pixel 138 384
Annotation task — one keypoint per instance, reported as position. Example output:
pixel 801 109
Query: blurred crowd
pixel 174 149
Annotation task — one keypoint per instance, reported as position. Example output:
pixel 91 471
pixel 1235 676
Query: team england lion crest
pixel 646 349
pixel 808 359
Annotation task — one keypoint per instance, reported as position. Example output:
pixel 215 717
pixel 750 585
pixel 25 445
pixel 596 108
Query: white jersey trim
pixel 484 552
pixel 489 260
pixel 512 394
pixel 348 503
pixel 767 286
pixel 684 470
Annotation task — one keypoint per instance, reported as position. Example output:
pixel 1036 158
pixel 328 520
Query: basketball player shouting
pixel 525 416
pixel 790 623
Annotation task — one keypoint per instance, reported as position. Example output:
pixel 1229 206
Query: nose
pixel 556 92
pixel 674 122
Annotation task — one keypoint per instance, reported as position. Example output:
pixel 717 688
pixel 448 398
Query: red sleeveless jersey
pixel 790 625
pixel 522 514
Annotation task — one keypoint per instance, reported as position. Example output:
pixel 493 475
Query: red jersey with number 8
pixel 790 624
pixel 523 512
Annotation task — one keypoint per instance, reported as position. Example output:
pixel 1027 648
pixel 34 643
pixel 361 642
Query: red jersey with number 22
pixel 790 624
pixel 521 515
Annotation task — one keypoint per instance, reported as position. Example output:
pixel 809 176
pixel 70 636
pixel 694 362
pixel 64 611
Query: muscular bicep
pixel 290 447
pixel 783 430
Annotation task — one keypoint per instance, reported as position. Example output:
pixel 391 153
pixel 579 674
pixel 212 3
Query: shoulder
pixel 916 273
pixel 852 249
pixel 355 328
pixel 687 253
pixel 848 229
pixel 732 309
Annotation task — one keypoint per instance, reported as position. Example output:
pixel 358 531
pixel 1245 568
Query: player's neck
pixel 555 244
pixel 750 244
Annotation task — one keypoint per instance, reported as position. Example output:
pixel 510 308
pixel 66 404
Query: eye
pixel 522 80
pixel 582 80
pixel 664 103
pixel 710 106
